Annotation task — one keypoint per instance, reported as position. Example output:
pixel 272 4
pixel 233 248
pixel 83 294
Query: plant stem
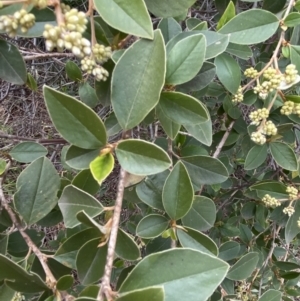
pixel 106 290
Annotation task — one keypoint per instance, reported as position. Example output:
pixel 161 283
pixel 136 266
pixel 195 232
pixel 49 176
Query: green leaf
pixel 196 240
pixel 228 14
pixel 73 71
pixel 192 23
pixel 79 158
pixel 18 247
pixel 256 156
pixel 244 267
pixel 142 158
pixel 90 222
pixel 204 77
pixel 292 229
pixel 90 262
pixel 243 52
pixel 205 170
pixel 185 59
pixel 37 187
pixel 295 55
pixel 178 192
pixel 199 280
pixel 274 6
pixel 202 215
pixel 271 295
pixel 2 166
pixel 170 127
pixel 6 293
pixel 251 27
pixel 75 121
pixel 64 282
pixel 168 8
pixel 229 250
pixel 31 82
pixel 112 125
pixel 150 190
pixel 182 108
pixel 26 152
pixel 286 266
pixel 155 293
pixel 201 132
pixel 228 72
pixel 85 181
pixel 152 226
pixel 88 95
pixel 102 166
pixel 67 252
pixel 13 68
pixel 18 279
pixel 273 188
pixel 284 156
pixel 140 73
pixel 126 248
pixel 169 28
pixel 293 19
pixel 74 200
pixel 127 16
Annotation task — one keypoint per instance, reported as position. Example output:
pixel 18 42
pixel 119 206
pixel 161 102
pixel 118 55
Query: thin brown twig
pixel 222 142
pixel 42 141
pixel 46 55
pixel 106 290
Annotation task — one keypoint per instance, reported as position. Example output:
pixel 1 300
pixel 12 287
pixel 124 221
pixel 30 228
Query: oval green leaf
pixel 229 250
pixel 256 156
pixel 199 280
pixel 205 170
pixel 75 121
pixel 271 295
pixel 155 293
pixel 201 132
pixel 202 215
pixel 26 152
pixel 196 240
pixel 37 187
pixel 90 262
pixel 85 181
pixel 251 27
pixel 292 229
pixel 169 28
pixel 185 59
pixel 228 72
pixel 142 158
pixel 284 156
pixel 126 248
pixel 74 200
pixel 137 80
pixel 182 108
pixel 127 16
pixel 244 267
pixel 64 282
pixel 102 166
pixel 152 226
pixel 13 68
pixel 178 192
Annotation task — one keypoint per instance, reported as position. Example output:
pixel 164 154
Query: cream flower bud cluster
pixel 101 53
pixel 72 41
pixel 289 210
pixel 289 108
pixel 290 73
pixel 100 73
pixel 69 35
pixel 293 193
pixel 75 20
pixel 270 202
pixel 258 137
pixel 251 72
pixel 88 64
pixel 65 8
pixel 20 19
pixel 40 4
pixel 258 115
pixel 238 97
pixel 269 128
